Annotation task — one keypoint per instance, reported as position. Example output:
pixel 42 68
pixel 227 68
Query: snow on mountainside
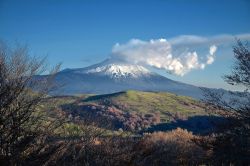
pixel 120 71
pixel 115 76
pixel 115 70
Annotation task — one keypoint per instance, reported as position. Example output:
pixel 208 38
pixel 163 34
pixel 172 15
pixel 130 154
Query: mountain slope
pixel 140 111
pixel 110 77
pixel 150 102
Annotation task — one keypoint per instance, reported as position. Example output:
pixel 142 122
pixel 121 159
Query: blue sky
pixel 79 33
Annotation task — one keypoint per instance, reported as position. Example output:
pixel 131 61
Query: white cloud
pixel 210 60
pixel 199 40
pixel 212 49
pixel 177 55
pixel 211 57
pixel 158 53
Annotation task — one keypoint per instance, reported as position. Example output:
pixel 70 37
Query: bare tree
pixel 21 122
pixel 29 136
pixel 232 144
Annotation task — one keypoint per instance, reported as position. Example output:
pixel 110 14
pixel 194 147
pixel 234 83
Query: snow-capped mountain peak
pixel 112 76
pixel 120 70
pixel 116 70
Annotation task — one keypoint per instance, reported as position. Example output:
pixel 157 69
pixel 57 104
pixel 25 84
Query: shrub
pixel 169 148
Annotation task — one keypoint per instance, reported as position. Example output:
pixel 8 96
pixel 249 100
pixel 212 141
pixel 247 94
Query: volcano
pixel 114 76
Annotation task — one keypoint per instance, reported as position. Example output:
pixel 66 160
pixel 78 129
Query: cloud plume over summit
pixel 160 53
pixel 178 55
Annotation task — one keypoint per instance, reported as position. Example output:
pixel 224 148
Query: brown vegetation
pixel 21 122
pixel 111 117
pixel 170 148
pixel 31 136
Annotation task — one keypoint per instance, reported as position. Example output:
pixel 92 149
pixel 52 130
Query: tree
pixel 232 144
pixel 21 122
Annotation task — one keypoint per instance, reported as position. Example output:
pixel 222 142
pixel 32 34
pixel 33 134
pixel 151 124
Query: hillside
pixel 150 102
pixel 136 111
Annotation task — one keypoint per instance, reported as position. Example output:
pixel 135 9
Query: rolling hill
pixel 137 111
pixel 150 102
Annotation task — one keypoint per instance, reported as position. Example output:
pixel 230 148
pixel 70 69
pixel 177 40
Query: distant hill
pixel 138 111
pixel 150 102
